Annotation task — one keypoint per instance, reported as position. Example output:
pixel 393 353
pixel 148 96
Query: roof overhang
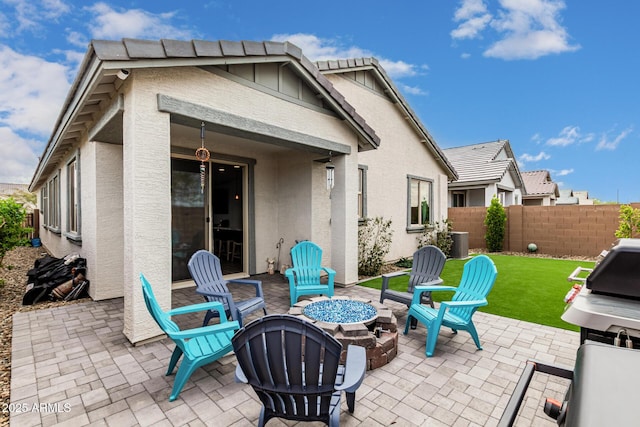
pixel 93 108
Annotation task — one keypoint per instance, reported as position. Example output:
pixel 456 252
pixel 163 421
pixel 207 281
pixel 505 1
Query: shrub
pixel 12 233
pixel 629 224
pixel 438 235
pixel 374 243
pixel 404 263
pixel 495 221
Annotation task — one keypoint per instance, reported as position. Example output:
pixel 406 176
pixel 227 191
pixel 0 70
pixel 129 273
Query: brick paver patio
pixel 72 365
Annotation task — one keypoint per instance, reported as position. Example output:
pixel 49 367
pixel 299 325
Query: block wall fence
pixel 571 230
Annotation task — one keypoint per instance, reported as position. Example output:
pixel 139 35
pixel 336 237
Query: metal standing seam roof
pixel 538 183
pixel 479 163
pixel 96 82
pixel 355 64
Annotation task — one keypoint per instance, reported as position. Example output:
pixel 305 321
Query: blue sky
pixel 558 79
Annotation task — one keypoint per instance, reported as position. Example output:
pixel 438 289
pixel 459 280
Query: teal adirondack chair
pixel 304 277
pixel 478 276
pixel 200 346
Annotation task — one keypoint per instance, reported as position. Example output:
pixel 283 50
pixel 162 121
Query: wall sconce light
pixel 330 173
pixel 123 74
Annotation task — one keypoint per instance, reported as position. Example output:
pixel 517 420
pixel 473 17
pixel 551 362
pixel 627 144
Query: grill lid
pixel 618 274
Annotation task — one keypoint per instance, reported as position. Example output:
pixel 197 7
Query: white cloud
pixel 611 144
pixel 317 49
pixel 563 172
pixel 528 29
pixel 18 156
pixel 30 14
pixel 531 158
pixel 413 90
pixel 474 17
pixel 31 92
pixel 570 135
pixel 108 23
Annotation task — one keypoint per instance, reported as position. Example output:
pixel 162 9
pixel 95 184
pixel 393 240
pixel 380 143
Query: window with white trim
pixel 420 200
pixel 362 192
pixel 52 219
pixel 458 199
pixel 73 198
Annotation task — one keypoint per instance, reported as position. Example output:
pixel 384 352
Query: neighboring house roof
pixel 96 82
pixel 372 64
pixel 570 197
pixel 538 183
pixel 8 189
pixel 480 163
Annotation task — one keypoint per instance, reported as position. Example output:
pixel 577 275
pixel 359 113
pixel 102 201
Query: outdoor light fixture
pixel 123 74
pixel 330 173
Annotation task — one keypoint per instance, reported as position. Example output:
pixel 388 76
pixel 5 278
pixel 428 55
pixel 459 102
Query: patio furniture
pixel 306 273
pixel 478 276
pixel 200 346
pixel 428 263
pixel 206 272
pixel 293 366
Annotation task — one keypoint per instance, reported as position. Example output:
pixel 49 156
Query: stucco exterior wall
pixel 109 230
pixel 400 154
pixel 147 203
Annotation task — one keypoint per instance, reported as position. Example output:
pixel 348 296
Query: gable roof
pixel 371 64
pixel 539 183
pixel 96 83
pixel 481 163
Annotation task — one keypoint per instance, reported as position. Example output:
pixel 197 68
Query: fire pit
pixel 356 321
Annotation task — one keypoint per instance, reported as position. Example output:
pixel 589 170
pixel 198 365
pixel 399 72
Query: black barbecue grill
pixel 607 308
pixel 605 378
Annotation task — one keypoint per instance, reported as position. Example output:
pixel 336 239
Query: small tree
pixel 374 243
pixel 495 222
pixel 439 235
pixel 629 224
pixel 12 232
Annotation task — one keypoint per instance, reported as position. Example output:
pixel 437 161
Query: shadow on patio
pixel 72 365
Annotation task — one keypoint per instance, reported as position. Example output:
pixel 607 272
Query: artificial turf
pixel 531 289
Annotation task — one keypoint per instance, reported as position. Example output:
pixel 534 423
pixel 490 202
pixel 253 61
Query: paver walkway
pixel 72 365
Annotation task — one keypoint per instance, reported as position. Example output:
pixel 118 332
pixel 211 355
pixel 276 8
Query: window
pixel 362 192
pixel 420 202
pixel 44 203
pixel 458 200
pixel 52 216
pixel 73 199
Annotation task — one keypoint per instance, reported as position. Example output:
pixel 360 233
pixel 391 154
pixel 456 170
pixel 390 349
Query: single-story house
pixel 485 171
pixel 243 148
pixel 570 197
pixel 405 179
pixel 541 190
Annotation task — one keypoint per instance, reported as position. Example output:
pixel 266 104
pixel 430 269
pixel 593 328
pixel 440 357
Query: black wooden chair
pixel 294 368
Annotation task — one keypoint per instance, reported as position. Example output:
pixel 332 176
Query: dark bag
pixel 48 273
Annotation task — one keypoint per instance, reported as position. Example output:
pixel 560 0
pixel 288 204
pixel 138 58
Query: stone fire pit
pixel 356 321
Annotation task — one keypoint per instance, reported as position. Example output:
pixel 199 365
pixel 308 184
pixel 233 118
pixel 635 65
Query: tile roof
pixel 96 81
pixel 480 162
pixel 538 183
pixel 351 64
pixel 8 188
pixel 136 49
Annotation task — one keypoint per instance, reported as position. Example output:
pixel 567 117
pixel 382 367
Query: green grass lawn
pixel 527 288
